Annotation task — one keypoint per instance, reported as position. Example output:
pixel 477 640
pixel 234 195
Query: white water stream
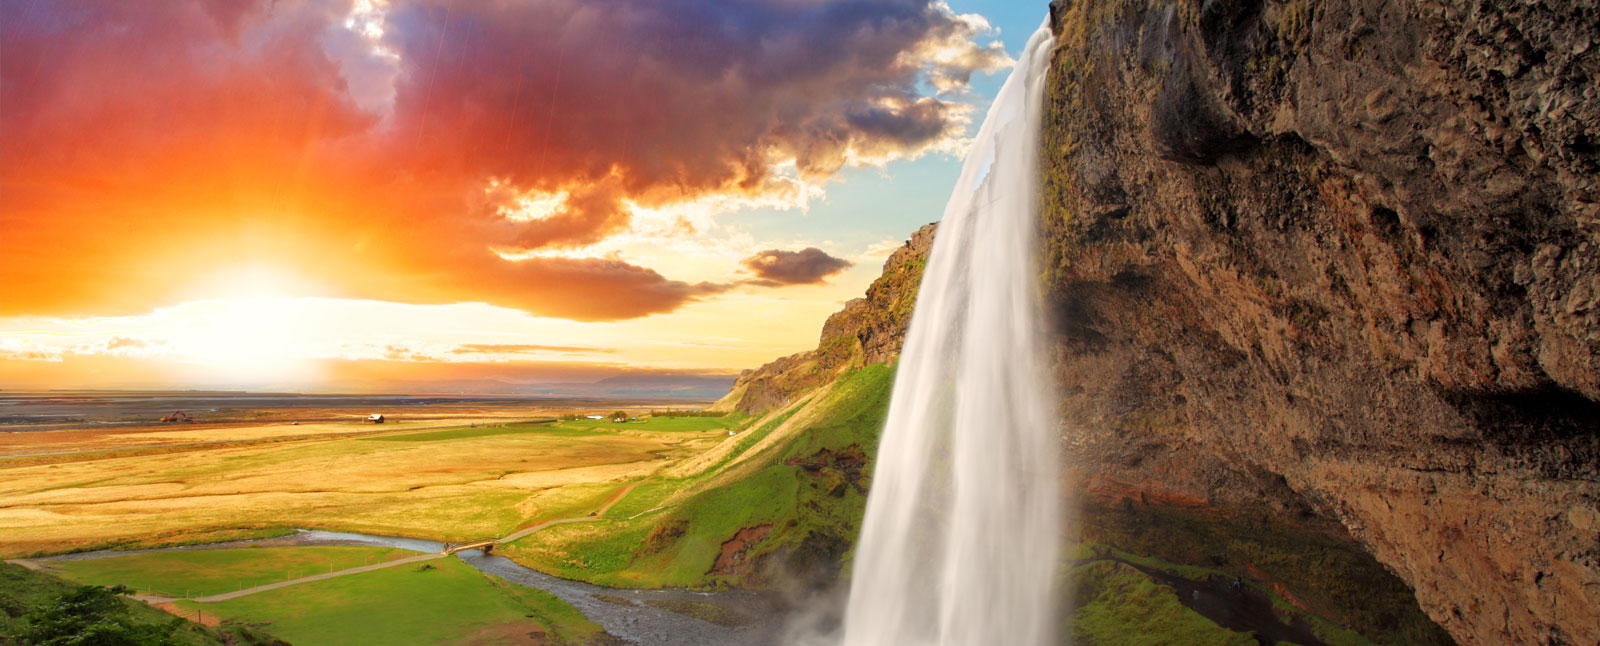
pixel 963 523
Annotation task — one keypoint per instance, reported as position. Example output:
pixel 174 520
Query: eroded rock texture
pixel 1345 255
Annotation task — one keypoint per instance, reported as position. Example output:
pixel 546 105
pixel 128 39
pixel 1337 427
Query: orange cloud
pixel 380 154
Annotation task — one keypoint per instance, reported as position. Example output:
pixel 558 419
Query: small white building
pixel 375 418
pixel 595 416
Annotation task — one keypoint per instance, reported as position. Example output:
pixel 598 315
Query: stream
pixel 623 612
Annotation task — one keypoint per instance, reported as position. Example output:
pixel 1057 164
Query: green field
pixel 449 603
pixel 671 528
pixel 657 424
pixel 29 599
pixel 694 502
pixel 206 572
pixel 534 428
pixel 445 484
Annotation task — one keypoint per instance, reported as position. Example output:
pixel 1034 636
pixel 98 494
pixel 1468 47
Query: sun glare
pixel 250 325
pixel 250 339
pixel 253 281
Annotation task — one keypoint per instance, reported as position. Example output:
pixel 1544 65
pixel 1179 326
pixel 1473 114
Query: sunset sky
pixel 411 195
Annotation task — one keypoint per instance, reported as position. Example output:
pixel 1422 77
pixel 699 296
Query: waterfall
pixel 963 523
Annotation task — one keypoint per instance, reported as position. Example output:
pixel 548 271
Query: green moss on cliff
pixel 1309 564
pixel 808 491
pixel 1117 605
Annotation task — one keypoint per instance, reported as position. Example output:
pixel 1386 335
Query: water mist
pixel 962 527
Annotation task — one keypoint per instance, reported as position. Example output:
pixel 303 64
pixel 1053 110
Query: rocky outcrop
pixel 1324 270
pixel 867 330
pixel 1344 258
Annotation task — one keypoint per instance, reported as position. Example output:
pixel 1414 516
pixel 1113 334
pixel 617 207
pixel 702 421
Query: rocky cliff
pixel 867 330
pixel 1343 255
pixel 1324 275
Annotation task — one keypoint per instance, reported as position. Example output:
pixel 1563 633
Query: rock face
pixel 1324 259
pixel 1344 256
pixel 868 330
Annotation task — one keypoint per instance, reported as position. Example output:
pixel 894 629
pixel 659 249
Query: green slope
pixel 793 480
pixel 30 600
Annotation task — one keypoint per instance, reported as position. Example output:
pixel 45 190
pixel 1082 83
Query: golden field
pixel 442 479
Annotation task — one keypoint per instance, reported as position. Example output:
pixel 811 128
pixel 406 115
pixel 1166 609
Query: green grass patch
pixel 176 538
pixel 202 573
pixel 26 596
pixel 814 514
pixel 571 501
pixel 467 433
pixel 451 603
pixel 1325 630
pixel 644 497
pixel 658 424
pixel 1120 606
pixel 1313 561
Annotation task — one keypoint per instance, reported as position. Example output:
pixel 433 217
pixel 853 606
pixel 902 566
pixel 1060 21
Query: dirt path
pixel 316 577
pixel 31 565
pixel 228 596
pixel 597 515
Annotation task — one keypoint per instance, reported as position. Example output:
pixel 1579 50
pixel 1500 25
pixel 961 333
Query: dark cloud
pixel 222 127
pixel 807 266
pixel 585 289
pixel 655 100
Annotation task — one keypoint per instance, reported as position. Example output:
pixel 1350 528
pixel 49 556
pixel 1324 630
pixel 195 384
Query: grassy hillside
pixel 782 496
pixel 30 601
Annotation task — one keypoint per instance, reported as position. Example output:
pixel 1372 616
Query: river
pixel 625 613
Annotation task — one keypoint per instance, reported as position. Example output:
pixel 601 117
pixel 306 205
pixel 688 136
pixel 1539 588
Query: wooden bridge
pixel 484 544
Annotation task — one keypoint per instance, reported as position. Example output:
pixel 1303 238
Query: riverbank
pixel 655 617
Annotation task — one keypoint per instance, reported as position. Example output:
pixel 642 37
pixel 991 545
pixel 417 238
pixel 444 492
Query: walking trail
pixel 228 596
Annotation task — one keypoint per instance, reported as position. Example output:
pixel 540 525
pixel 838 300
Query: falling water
pixel 962 526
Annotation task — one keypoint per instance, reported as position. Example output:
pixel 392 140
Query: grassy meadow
pixel 693 502
pixel 26 594
pixel 449 603
pixel 775 474
pixel 444 484
pixel 202 573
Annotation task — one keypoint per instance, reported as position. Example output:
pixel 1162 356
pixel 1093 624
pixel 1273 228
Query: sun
pixel 253 325
pixel 249 281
